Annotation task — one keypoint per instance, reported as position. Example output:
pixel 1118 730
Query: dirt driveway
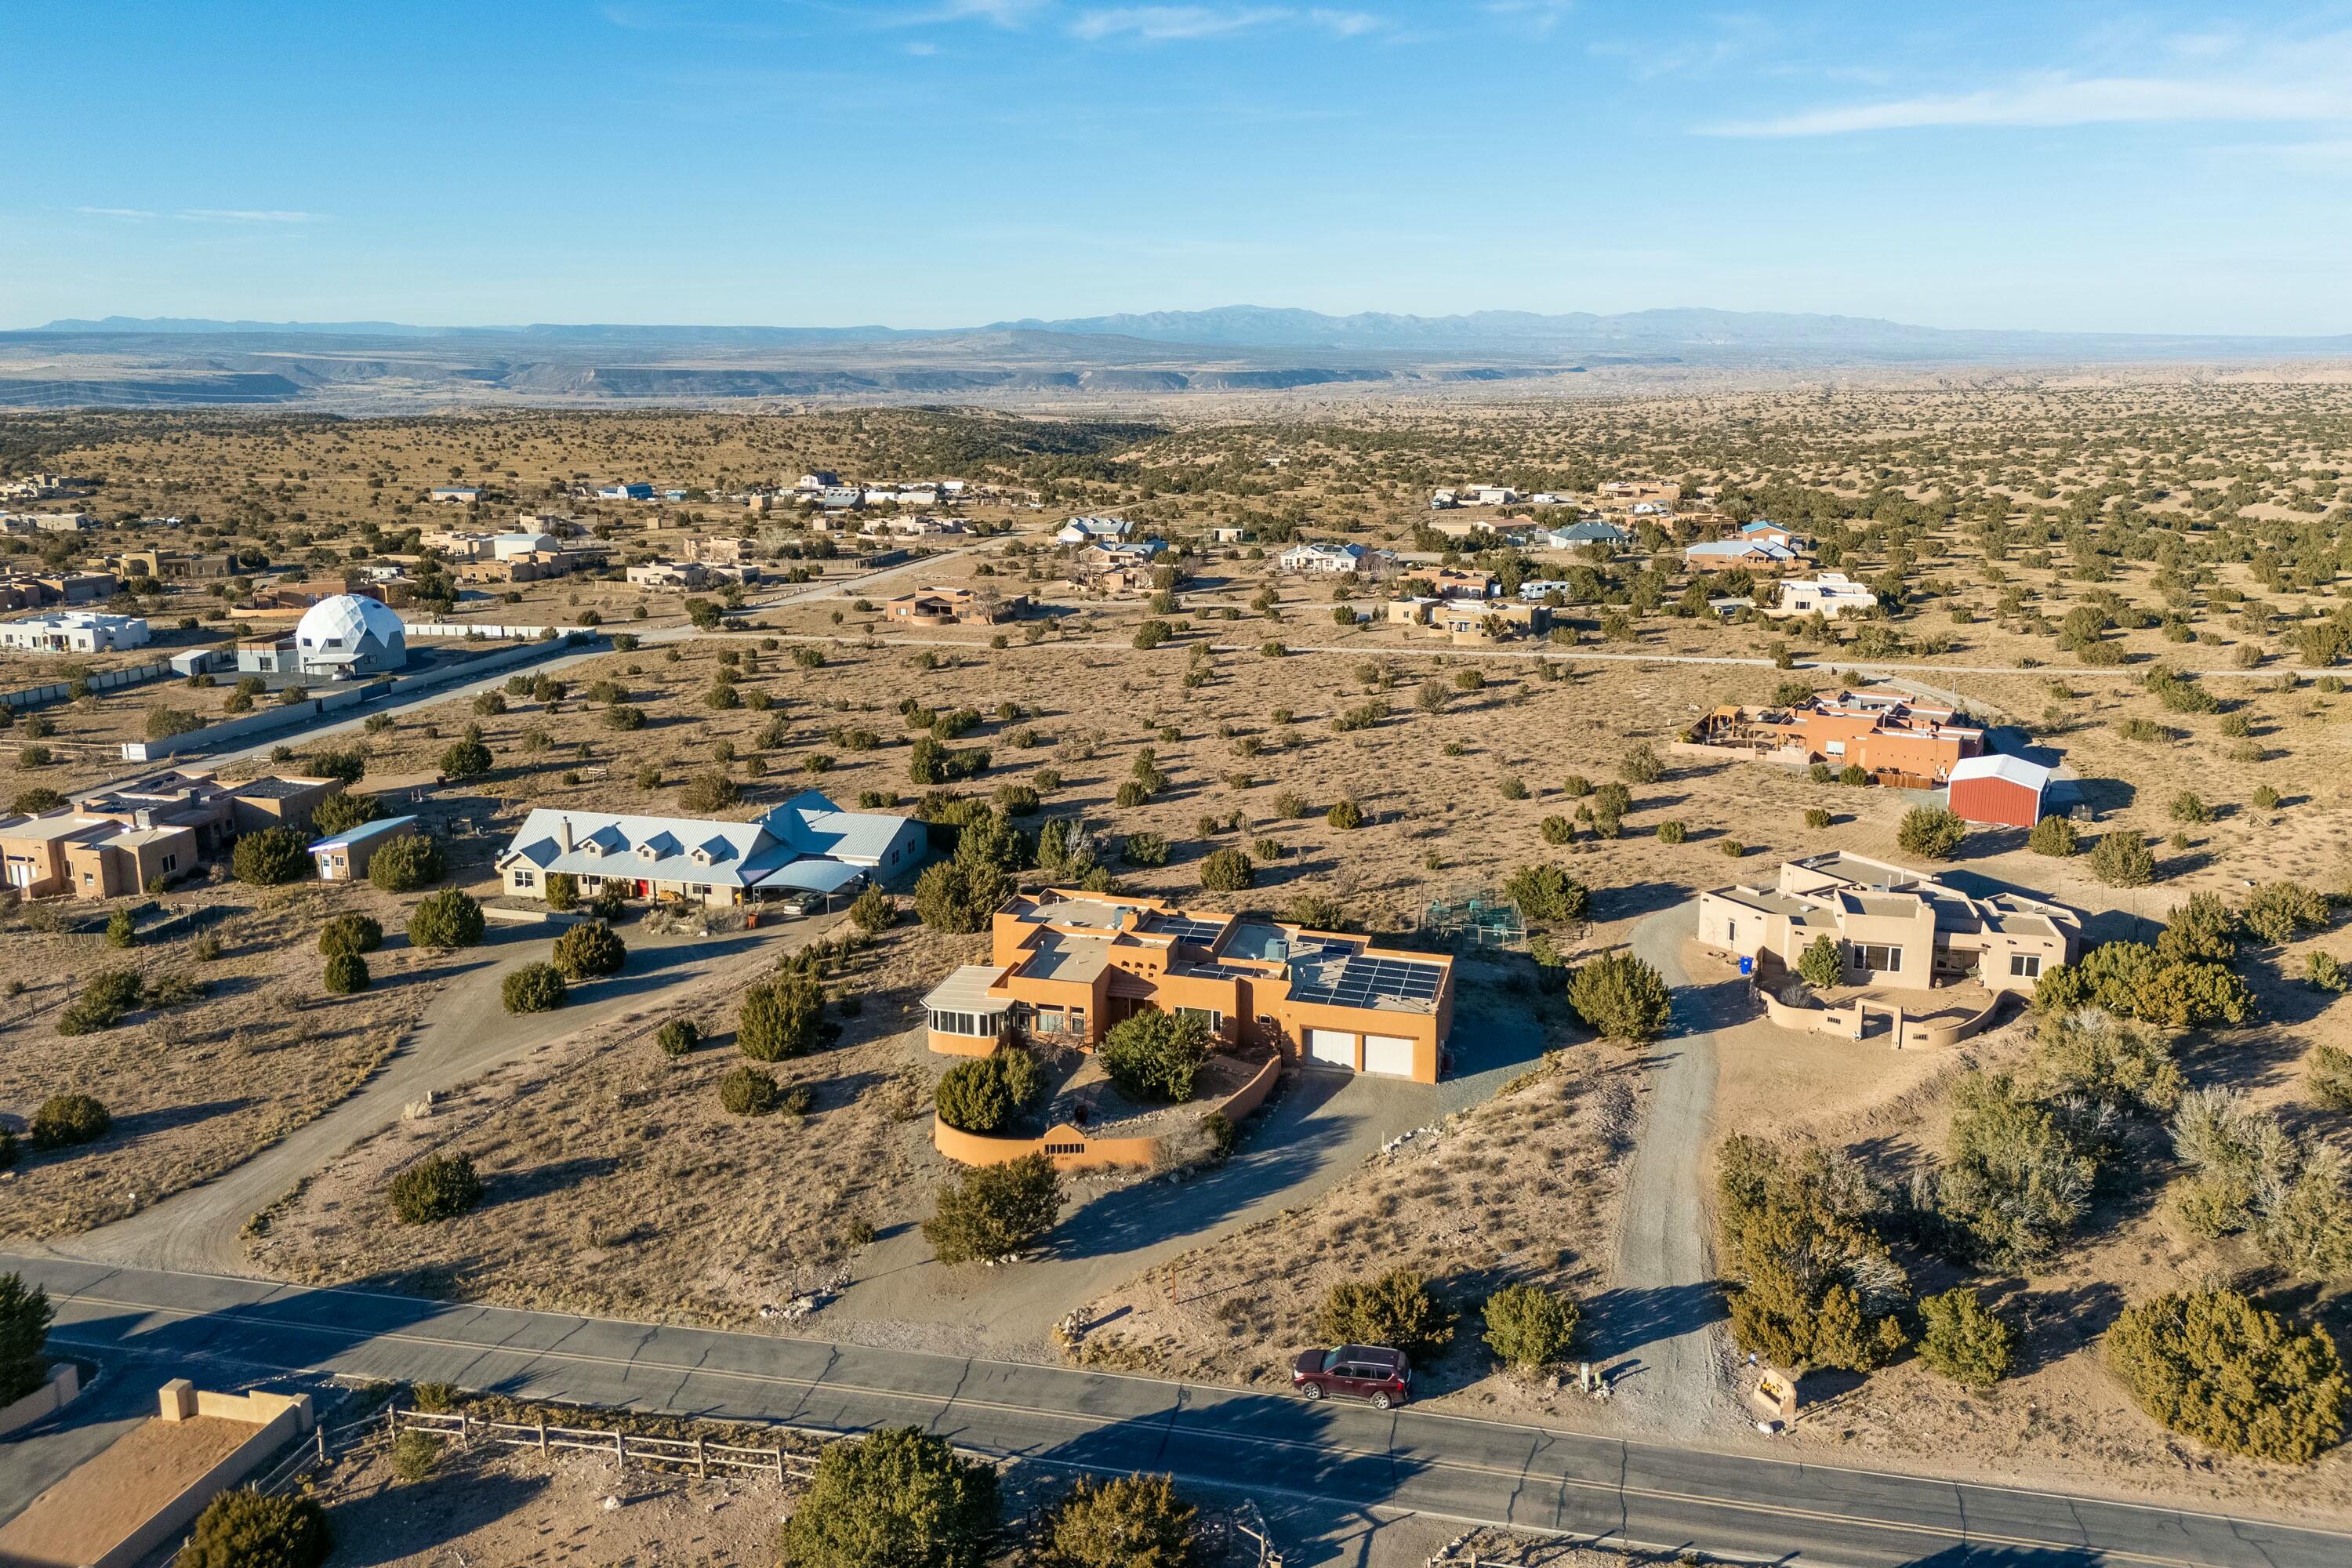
pixel 467 1032
pixel 1321 1126
pixel 1666 1308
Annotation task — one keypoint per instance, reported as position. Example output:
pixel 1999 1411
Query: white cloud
pixel 1159 23
pixel 1537 17
pixel 1162 23
pixel 129 214
pixel 1002 13
pixel 242 214
pixel 2290 81
pixel 922 49
pixel 1347 23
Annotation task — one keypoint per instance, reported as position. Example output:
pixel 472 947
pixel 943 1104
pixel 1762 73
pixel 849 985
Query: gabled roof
pixel 656 848
pixel 1739 549
pixel 812 824
pixel 2002 766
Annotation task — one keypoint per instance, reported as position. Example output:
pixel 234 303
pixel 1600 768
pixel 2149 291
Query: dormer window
pixel 647 852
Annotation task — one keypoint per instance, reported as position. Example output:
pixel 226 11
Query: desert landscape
pixel 2138 580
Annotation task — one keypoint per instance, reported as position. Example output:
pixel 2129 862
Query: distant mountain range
pixel 367 366
pixel 1866 339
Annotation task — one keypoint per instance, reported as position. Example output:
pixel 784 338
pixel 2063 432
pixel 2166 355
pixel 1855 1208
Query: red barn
pixel 1996 788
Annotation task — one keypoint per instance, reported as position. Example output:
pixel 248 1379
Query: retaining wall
pixel 99 680
pixel 266 722
pixel 63 1387
pixel 1071 1149
pixel 304 713
pixel 277 1418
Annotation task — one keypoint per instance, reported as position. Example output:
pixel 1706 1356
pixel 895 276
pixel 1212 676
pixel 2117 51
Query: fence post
pixel 702 1467
pixel 392 1420
pixel 542 1434
pixel 465 1430
pixel 621 1450
pixel 321 1431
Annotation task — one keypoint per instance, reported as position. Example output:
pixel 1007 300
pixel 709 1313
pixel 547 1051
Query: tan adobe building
pixel 954 608
pixel 1897 927
pixel 1469 623
pixel 120 839
pixel 1894 740
pixel 64 851
pixel 1066 966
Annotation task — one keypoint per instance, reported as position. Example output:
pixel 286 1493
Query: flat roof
pixel 1071 959
pixel 965 991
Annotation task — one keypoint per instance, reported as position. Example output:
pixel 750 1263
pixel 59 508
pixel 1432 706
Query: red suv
pixel 1364 1371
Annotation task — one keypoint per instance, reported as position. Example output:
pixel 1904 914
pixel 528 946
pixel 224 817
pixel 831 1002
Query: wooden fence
pixel 697 1454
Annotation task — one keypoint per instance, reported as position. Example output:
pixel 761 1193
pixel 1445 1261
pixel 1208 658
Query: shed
pixel 344 857
pixel 1999 788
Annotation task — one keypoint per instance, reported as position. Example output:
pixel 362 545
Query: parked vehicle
pixel 1372 1373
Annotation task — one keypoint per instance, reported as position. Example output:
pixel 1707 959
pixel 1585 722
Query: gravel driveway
pixel 1664 1320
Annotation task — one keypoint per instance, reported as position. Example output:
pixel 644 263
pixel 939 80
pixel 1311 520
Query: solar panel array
pixel 1360 980
pixel 1184 929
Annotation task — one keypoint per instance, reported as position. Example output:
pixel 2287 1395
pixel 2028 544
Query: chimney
pixel 563 834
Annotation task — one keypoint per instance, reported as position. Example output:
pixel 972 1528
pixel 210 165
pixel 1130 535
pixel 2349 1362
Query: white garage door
pixel 1334 1046
pixel 1388 1053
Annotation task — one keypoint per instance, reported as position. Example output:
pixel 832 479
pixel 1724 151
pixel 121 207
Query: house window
pixel 1077 1020
pixel 171 862
pixel 525 879
pixel 1046 1020
pixel 1209 1016
pixel 1880 959
pixel 2025 965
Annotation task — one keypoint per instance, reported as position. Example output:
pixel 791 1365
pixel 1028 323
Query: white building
pixel 808 846
pixel 1095 531
pixel 1833 594
pixel 512 546
pixel 341 636
pixel 1335 559
pixel 73 631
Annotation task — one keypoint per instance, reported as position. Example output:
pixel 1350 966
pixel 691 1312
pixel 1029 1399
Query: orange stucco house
pixel 1067 965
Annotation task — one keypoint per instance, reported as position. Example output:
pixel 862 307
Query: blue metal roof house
pixel 808 844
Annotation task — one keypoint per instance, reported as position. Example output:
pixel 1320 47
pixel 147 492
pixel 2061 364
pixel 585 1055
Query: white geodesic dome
pixel 348 631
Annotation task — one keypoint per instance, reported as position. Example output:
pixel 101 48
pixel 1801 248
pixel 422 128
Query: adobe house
pixel 1894 926
pixel 1067 965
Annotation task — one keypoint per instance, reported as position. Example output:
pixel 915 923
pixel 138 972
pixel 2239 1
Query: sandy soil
pixel 618 1184
pixel 196 1088
pixel 1520 1188
pixel 492 1506
pixel 2061 1413
pixel 109 1496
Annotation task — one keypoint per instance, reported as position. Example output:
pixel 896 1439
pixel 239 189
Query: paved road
pixel 1268 1445
pixel 1664 1298
pixel 466 690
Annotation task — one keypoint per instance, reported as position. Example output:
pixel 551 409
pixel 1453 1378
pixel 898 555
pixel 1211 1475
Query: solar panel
pixel 1360 980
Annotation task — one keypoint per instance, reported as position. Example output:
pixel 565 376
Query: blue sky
pixel 940 163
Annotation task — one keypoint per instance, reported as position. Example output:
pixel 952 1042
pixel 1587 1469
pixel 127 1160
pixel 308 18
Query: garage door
pixel 1390 1055
pixel 1334 1046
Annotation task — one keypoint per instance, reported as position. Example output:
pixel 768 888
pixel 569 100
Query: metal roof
pixel 2002 765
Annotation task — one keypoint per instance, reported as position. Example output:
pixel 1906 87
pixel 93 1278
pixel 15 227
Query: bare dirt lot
pixel 618 1184
pixel 198 1085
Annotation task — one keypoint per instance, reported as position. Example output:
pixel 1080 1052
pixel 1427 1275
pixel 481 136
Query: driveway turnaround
pixel 1268 1445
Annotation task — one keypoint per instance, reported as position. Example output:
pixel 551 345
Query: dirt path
pixel 1664 1314
pixel 466 1032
